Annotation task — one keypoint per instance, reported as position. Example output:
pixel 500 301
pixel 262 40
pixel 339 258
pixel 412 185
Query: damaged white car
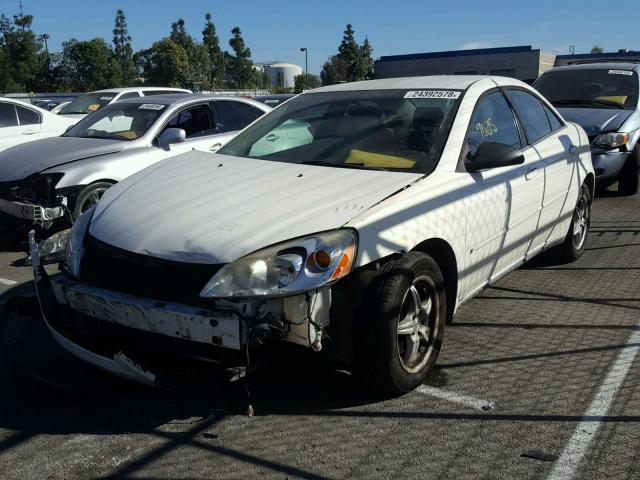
pixel 353 219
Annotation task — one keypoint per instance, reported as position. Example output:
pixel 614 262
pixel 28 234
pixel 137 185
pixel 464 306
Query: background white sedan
pixel 22 122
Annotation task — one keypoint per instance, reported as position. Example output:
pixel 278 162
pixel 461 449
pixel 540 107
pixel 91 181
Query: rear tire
pixel 628 176
pixel 88 197
pixel 400 328
pixel 576 239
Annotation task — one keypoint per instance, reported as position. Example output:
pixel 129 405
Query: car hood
pixel 205 208
pixel 596 120
pixel 28 158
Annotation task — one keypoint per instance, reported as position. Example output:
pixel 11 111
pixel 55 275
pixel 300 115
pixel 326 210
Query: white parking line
pixel 568 463
pixel 5 281
pixel 454 397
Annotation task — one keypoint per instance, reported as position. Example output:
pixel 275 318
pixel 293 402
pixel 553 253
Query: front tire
pixel 576 239
pixel 628 176
pixel 401 326
pixel 88 197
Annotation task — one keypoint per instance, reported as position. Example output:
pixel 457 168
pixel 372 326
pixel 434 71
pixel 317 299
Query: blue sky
pixel 276 30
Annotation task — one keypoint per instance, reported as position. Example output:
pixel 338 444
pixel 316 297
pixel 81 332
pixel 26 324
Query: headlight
pixel 75 244
pixel 611 140
pixel 53 249
pixel 287 268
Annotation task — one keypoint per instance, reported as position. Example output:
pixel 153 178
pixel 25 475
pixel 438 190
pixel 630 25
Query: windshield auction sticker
pixel 151 106
pixel 620 72
pixel 432 94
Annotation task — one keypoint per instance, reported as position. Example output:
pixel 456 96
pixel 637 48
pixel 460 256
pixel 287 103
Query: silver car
pixel 603 98
pixel 63 176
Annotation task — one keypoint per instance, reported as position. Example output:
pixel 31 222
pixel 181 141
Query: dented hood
pixel 596 120
pixel 28 158
pixel 204 208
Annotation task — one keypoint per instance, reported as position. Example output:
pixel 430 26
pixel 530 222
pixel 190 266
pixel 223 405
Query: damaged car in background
pixel 352 220
pixel 50 182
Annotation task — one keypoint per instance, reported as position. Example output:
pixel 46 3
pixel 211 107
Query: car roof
pixel 597 66
pixel 456 82
pixel 135 89
pixel 182 98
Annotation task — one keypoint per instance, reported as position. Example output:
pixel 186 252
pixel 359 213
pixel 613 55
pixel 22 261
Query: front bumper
pixel 607 164
pixel 28 211
pixel 108 329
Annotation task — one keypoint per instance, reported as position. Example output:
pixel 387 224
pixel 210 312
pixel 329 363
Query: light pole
pixel 306 64
pixel 46 37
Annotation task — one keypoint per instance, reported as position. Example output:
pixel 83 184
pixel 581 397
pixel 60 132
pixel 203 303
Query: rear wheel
pixel 88 197
pixel 576 239
pixel 401 327
pixel 628 177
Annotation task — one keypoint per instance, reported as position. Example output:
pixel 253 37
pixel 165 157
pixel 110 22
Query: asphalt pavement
pixel 539 378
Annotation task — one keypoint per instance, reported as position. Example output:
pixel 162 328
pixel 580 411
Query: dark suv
pixel 603 99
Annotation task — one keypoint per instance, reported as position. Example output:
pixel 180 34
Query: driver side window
pixel 493 121
pixel 195 121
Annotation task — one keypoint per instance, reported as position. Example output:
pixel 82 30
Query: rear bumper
pixel 607 164
pixel 29 211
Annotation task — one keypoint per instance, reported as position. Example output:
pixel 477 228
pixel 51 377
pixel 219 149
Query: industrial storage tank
pixel 283 74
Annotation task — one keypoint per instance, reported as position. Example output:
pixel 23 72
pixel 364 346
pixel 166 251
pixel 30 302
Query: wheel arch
pixel 590 181
pixel 443 254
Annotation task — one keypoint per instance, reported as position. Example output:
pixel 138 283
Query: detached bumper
pixel 607 165
pixel 107 329
pixel 29 211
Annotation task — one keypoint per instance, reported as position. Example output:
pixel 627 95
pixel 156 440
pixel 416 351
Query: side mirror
pixel 492 155
pixel 171 135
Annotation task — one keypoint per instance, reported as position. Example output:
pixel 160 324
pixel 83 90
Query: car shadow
pixel 43 389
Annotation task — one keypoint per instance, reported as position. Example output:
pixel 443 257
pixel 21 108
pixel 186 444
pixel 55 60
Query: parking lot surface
pixel 538 378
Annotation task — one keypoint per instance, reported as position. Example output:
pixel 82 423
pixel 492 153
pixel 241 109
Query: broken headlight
pixel 287 268
pixel 75 243
pixel 611 140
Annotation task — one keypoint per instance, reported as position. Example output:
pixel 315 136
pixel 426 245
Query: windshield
pixel 118 121
pixel 372 129
pixel 88 103
pixel 590 88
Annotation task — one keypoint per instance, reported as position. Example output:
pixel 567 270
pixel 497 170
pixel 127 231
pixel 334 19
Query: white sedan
pixel 21 122
pixel 379 209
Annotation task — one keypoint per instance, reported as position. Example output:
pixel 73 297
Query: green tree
pixel 197 56
pixel 165 63
pixel 334 70
pixel 597 49
pixel 241 73
pixel 214 52
pixel 23 61
pixel 122 50
pixel 306 82
pixel 364 68
pixel 349 50
pixel 88 65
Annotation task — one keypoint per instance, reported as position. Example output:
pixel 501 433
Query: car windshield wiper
pixel 588 102
pixel 325 163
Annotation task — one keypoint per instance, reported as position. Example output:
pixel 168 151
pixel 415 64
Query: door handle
pixel 272 137
pixel 530 175
pixel 215 147
pixel 29 132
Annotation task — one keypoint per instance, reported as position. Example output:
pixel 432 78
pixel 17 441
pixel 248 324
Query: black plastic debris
pixel 538 455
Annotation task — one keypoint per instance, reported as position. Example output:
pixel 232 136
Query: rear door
pixel 552 141
pixel 11 131
pixel 232 116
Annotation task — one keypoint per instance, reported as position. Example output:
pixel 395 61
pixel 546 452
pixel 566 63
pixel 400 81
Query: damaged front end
pixel 128 313
pixel 34 199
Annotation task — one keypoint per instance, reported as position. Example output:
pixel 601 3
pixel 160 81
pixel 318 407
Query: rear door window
pixel 234 115
pixel 27 116
pixel 196 121
pixel 531 114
